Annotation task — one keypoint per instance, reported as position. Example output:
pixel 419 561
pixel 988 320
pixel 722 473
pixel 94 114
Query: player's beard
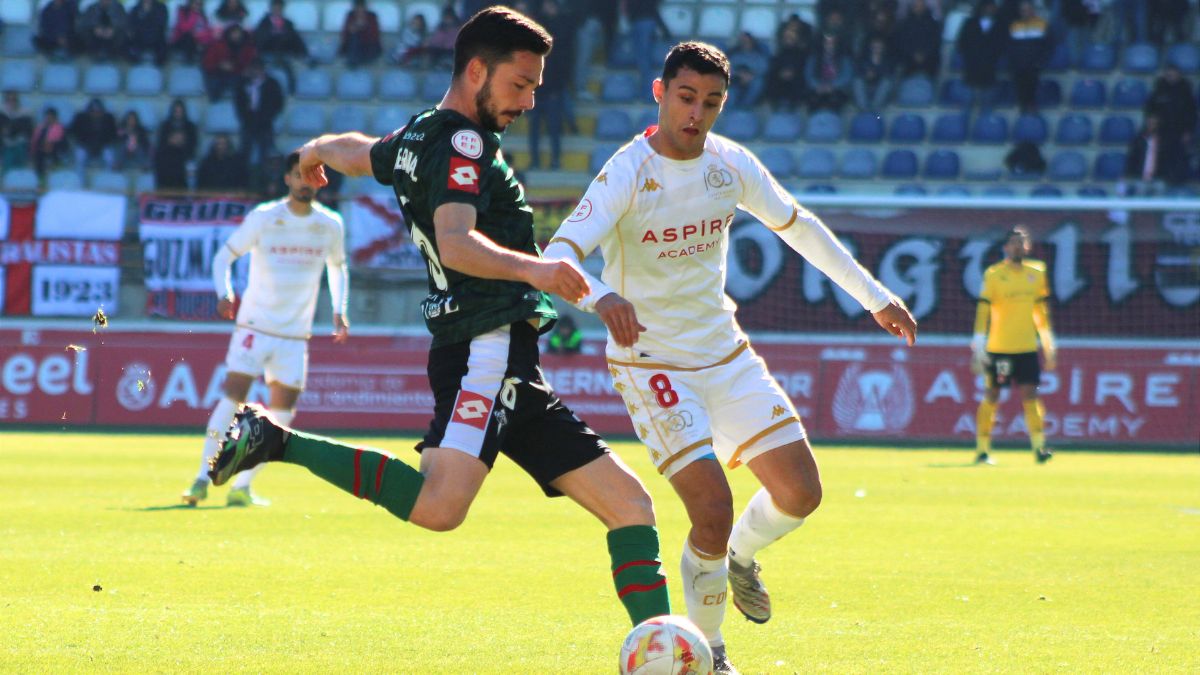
pixel 489 118
pixel 304 195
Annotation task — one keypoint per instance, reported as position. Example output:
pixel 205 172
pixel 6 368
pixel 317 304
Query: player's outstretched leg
pixel 240 493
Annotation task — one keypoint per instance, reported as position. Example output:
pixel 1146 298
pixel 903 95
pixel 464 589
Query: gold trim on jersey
pixel 795 212
pixel 575 247
pixel 662 468
pixel 256 329
pixel 705 556
pixel 735 461
pixel 665 366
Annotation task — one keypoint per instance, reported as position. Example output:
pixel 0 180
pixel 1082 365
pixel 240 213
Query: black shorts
pixel 1005 369
pixel 490 396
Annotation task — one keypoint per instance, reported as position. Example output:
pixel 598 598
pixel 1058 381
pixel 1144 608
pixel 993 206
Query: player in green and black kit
pixel 488 302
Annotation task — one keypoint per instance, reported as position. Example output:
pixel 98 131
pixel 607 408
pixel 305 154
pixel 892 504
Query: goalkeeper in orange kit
pixel 1011 318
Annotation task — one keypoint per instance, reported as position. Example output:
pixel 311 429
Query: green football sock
pixel 637 572
pixel 363 472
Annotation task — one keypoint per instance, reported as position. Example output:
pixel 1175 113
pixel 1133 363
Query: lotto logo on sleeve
pixel 472 409
pixel 464 175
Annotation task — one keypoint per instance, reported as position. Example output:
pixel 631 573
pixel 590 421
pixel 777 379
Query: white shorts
pixel 733 408
pixel 278 359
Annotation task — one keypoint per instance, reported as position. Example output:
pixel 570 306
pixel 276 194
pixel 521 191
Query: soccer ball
pixel 666 645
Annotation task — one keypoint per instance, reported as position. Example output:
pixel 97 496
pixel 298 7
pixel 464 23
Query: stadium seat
pixel 623 53
pixel 716 22
pixel 1091 191
pixel 740 125
pixel 820 189
pixel 779 161
pixel 907 128
pixel 1068 165
pixel 1049 94
pixel 900 164
pixel 1006 94
pixel 348 117
pixel 60 78
pixel 955 94
pixel 998 191
pixel 1129 94
pixel 397 85
pixel 430 10
pixel 109 181
pixel 305 119
pixel 143 80
pixel 101 79
pixel 1060 58
pixel 1045 190
pixel 323 47
pixel 305 15
pixel 17 41
pixel 859 163
pixel 782 127
pixel 1074 130
pixel 947 128
pixel 648 118
pixel 823 127
pixel 1181 192
pixel 64 179
pixel 866 127
pixel 1088 94
pixel 954 190
pixel 600 154
pixel 942 165
pixel 149 111
pixel 915 92
pixel 388 14
pixel 1030 128
pixel 20 180
pixel 1109 166
pixel 355 85
pixel 1185 56
pixel 990 128
pixel 816 163
pixel 187 81
pixel 1140 58
pixel 314 84
pixel 911 190
pixel 761 22
pixel 614 125
pixel 388 119
pixel 1117 130
pixel 333 14
pixel 1098 57
pixel 18 76
pixel 680 19
pixel 221 118
pixel 434 86
pixel 619 88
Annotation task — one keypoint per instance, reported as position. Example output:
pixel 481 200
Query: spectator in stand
pixel 749 62
pixel 881 24
pixel 597 26
pixel 226 60
pixel 94 134
pixel 834 23
pixel 1151 161
pixel 849 22
pixel 917 41
pixel 192 33
pixel 278 42
pixel 556 81
pixel 566 337
pixel 222 169
pixel 1169 17
pixel 873 77
pixel 1082 19
pixel 104 29
pixel 1028 48
pixel 829 73
pixel 133 143
pixel 981 40
pixel 230 12
pixel 48 145
pixel 645 25
pixel 360 36
pixel 1131 19
pixel 148 31
pixel 412 42
pixel 786 88
pixel 439 46
pixel 176 147
pixel 16 132
pixel 1173 102
pixel 259 100
pixel 55 36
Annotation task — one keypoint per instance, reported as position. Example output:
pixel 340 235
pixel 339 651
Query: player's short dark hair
pixel 495 34
pixel 292 160
pixel 698 56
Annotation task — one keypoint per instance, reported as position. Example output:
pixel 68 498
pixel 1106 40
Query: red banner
pixel 1120 396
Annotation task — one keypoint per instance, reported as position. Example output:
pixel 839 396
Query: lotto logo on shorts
pixel 472 409
pixel 464 175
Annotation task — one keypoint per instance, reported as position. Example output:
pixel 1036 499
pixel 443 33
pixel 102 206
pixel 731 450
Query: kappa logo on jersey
pixel 582 212
pixel 650 185
pixel 468 142
pixel 602 178
pixel 464 176
pixel 472 409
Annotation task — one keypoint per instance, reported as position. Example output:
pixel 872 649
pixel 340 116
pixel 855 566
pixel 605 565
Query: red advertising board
pixel 1112 395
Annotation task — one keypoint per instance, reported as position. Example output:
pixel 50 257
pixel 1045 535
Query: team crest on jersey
pixel 464 176
pixel 582 212
pixel 469 143
pixel 717 177
pixel 472 409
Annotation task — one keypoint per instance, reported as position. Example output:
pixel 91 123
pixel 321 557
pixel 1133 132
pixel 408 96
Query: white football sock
pixel 761 523
pixel 242 480
pixel 218 424
pixel 705 580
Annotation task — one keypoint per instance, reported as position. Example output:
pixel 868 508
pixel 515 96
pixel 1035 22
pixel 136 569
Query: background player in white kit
pixel 660 212
pixel 290 242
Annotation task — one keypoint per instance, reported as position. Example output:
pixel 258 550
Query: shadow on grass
pixel 959 465
pixel 178 507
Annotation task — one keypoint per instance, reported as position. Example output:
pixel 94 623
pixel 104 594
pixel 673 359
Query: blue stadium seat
pixel 109 181
pixel 1091 191
pixel 623 53
pixel 816 163
pixel 1140 58
pixel 998 191
pixel 17 41
pixel 221 118
pixel 314 85
pixel 911 190
pixel 1117 130
pixel 434 86
pixel 900 164
pixel 942 165
pixel 779 161
pixel 60 78
pixel 782 127
pixel 990 128
pixel 649 118
pixel 355 85
pixel 1109 166
pixel 1129 94
pixel 907 128
pixel 348 117
pixel 64 179
pixel 1030 128
pixel 949 128
pixel 614 125
pixel 1045 191
pixel 187 81
pixel 388 119
pixel 600 154
pixel 955 94
pixel 1181 192
pixel 148 111
pixel 20 180
pixel 1006 94
pixel 1185 56
pixel 1088 94
pixel 101 79
pixel 143 80
pixel 1060 58
pixel 859 163
pixel 619 88
pixel 954 190
pixel 18 76
pixel 1074 130
pixel 1049 94
pixel 1068 165
pixel 823 127
pixel 740 125
pixel 397 85
pixel 915 92
pixel 820 189
pixel 1098 57
pixel 866 127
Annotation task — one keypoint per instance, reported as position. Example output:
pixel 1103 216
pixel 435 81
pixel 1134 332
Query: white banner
pixel 72 214
pixel 75 290
pixel 376 235
pixel 178 257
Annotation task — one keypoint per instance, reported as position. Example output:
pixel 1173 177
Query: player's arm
pixel 238 244
pixel 339 284
pixel 1041 320
pixel 348 153
pixel 979 357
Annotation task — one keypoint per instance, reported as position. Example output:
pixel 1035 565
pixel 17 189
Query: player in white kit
pixel 290 242
pixel 696 392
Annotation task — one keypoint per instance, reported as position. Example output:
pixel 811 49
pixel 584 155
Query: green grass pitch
pixel 916 562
